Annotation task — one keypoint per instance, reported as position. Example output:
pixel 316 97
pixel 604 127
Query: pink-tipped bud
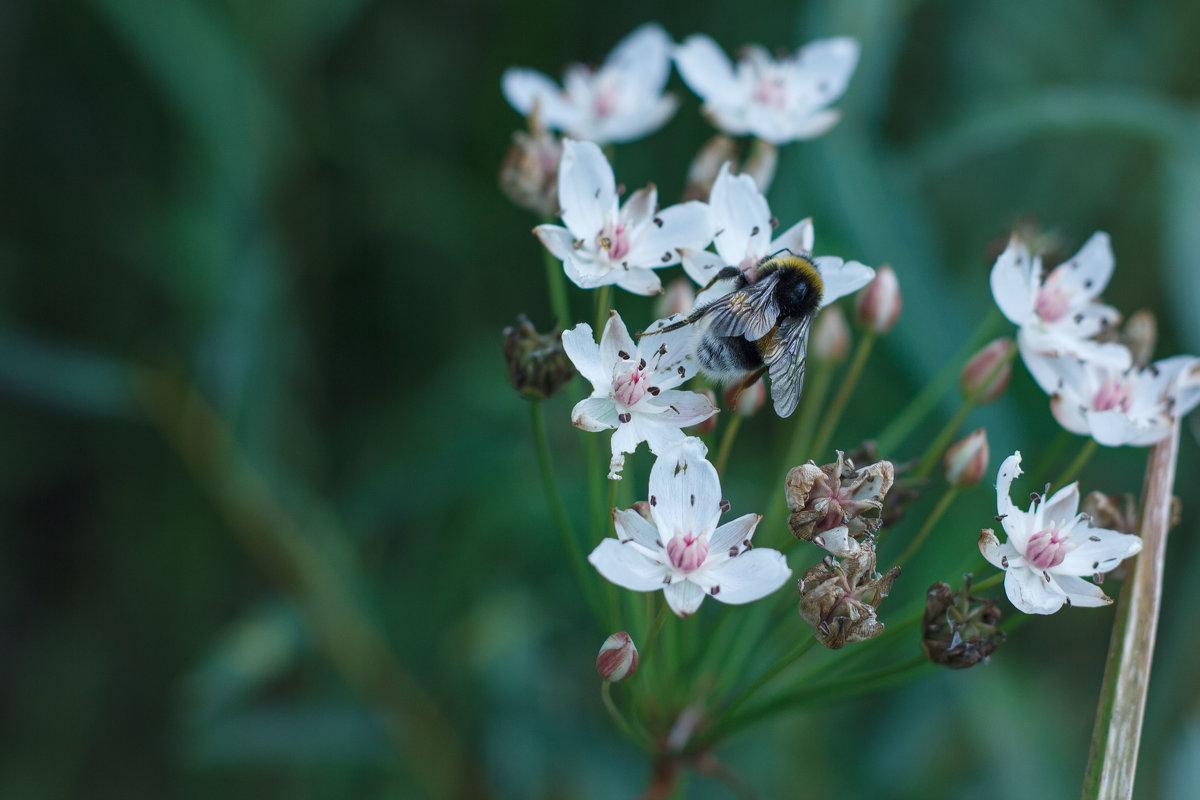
pixel 706 166
pixel 830 342
pixel 618 658
pixel 878 306
pixel 679 298
pixel 745 402
pixel 995 362
pixel 966 462
pixel 705 427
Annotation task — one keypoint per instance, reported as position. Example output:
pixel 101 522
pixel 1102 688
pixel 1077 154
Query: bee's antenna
pixel 787 250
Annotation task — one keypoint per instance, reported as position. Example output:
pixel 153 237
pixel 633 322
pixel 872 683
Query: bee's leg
pixel 748 382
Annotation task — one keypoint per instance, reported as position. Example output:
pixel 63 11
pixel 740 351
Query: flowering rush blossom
pixel 633 387
pixel 621 101
pixel 776 100
pixel 1050 547
pixel 1058 314
pixel 1124 407
pixel 605 243
pixel 680 549
pixel 742 223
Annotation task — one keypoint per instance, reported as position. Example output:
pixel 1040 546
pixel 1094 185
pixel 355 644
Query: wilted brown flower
pixel 840 599
pixel 537 365
pixel 529 174
pixel 835 505
pixel 959 630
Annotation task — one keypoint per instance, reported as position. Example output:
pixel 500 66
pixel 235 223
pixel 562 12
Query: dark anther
pixel 724 506
pixel 653 390
pixel 754 231
pixel 733 551
pixel 682 372
pixel 713 591
pixel 653 500
pixel 666 256
pixel 1087 284
pixel 624 417
pixel 1093 538
pixel 621 354
pixel 1004 562
pixel 658 221
pixel 1001 517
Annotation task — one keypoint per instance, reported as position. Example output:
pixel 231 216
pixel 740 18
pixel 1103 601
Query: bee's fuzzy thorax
pixel 807 269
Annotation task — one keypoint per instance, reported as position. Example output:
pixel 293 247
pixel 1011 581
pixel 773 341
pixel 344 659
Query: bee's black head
pixel 798 288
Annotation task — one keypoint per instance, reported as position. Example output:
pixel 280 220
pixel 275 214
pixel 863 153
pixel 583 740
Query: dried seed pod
pixel 537 365
pixel 959 630
pixel 840 599
pixel 824 500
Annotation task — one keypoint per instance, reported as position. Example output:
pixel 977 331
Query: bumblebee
pixel 747 328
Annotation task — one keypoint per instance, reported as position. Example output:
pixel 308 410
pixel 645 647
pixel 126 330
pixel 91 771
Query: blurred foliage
pixel 316 560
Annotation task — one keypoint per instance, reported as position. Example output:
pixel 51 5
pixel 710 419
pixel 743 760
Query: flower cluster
pixel 1096 387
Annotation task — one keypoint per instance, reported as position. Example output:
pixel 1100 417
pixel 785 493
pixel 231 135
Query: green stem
pixel 944 503
pixel 603 299
pixel 1081 459
pixel 934 452
pixel 833 414
pixel 988 583
pixel 905 422
pixel 556 282
pixel 771 672
pixel 558 511
pixel 727 438
pixel 1112 758
pixel 615 713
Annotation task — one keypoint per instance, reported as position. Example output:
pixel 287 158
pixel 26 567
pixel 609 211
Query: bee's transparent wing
pixel 786 354
pixel 750 312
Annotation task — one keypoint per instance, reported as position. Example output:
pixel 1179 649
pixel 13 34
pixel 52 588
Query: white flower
pixel 779 101
pixel 1050 547
pixel 680 549
pixel 742 223
pixel 604 243
pixel 633 391
pixel 1124 407
pixel 1059 314
pixel 621 101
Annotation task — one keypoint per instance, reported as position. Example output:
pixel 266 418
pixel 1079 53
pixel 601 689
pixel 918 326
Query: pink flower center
pixel 615 240
pixel 631 386
pixel 1113 393
pixel 604 103
pixel 687 551
pixel 1052 302
pixel 771 91
pixel 1046 549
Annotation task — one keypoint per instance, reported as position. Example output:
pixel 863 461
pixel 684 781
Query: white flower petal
pixel 1098 550
pixel 798 238
pixel 684 408
pixel 615 341
pixel 587 190
pixel 998 555
pixel 1085 275
pixel 632 525
pixel 823 68
pixel 706 69
pixel 733 534
pixel 645 56
pixel 686 225
pixel 525 88
pixel 637 280
pixel 684 597
pixel 1069 414
pixel 1113 428
pixel 841 278
pixel 627 127
pixel 1014 519
pixel 584 353
pixel 741 218
pixel 595 414
pixel 1080 592
pixel 685 494
pixel 1013 283
pixel 1031 592
pixel 750 576
pixel 557 239
pixel 1060 508
pixel 625 566
pixel 838 542
pixel 701 265
pixel 807 127
pixel 659 433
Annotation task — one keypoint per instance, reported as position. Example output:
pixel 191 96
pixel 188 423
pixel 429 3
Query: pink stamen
pixel 1113 393
pixel 1052 302
pixel 631 386
pixel 614 239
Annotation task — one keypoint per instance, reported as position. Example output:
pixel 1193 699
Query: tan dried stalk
pixel 1112 760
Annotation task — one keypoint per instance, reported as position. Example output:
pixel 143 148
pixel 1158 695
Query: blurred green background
pixel 271 522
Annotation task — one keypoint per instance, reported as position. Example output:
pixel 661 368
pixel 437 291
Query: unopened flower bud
pixel 761 163
pixel 745 402
pixel 618 658
pixel 966 460
pixel 988 371
pixel 959 630
pixel 537 365
pixel 529 174
pixel 878 306
pixel 679 298
pixel 830 341
pixel 706 165
pixel 706 426
pixel 1140 334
